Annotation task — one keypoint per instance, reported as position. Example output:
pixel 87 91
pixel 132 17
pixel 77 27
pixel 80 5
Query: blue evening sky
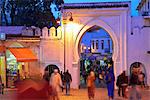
pixel 134 3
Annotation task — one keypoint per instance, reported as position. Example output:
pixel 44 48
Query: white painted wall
pixel 139 44
pixel 116 21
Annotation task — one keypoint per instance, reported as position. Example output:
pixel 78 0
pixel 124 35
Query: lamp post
pixel 65 15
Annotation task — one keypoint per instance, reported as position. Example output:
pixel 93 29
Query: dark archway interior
pixel 136 67
pixel 50 68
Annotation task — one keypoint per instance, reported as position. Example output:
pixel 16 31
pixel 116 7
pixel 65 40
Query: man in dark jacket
pixel 68 80
pixel 118 83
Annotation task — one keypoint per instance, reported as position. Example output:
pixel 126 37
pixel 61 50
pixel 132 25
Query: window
pixel 148 5
pixel 109 45
pixel 92 44
pixel 96 44
pixel 102 44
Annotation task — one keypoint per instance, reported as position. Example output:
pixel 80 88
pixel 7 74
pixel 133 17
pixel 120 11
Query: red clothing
pixel 91 85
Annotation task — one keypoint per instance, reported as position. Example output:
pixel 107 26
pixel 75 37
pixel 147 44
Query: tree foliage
pixel 28 12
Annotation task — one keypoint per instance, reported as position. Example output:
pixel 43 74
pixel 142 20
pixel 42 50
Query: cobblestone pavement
pixel 101 94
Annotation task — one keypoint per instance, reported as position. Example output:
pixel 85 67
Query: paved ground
pixel 101 94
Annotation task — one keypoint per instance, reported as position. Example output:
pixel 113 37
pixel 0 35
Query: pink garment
pixel 55 81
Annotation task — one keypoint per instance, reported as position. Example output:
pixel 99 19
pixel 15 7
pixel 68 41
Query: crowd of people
pixel 109 79
pixel 58 81
pixel 99 67
pixel 134 82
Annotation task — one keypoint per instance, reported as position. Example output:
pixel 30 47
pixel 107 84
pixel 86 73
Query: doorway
pixel 96 49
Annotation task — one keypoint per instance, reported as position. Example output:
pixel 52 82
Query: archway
pixel 96 49
pixel 108 29
pixel 50 69
pixel 137 67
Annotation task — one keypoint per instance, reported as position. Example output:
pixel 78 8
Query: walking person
pixel 135 93
pixel 56 83
pixel 67 80
pixel 124 84
pixel 141 77
pixel 46 76
pixel 91 85
pixel 110 78
pixel 118 83
pixel 62 79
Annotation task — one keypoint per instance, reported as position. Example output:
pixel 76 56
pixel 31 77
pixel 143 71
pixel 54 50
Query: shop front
pixel 17 64
pixel 14 64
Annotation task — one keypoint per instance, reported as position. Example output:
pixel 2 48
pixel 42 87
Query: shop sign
pixel 2 36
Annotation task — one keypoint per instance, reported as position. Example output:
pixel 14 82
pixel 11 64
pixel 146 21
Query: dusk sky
pixel 134 3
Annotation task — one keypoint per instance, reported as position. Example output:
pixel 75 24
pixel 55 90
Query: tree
pixel 29 12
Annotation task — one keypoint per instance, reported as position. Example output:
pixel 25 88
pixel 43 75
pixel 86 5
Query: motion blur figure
pixel 1 86
pixel 33 90
pixel 135 92
pixel 91 85
pixel 56 83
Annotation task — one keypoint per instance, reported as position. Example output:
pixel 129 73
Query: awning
pixel 23 54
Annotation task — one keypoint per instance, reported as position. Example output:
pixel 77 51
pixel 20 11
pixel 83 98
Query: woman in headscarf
pixel 110 78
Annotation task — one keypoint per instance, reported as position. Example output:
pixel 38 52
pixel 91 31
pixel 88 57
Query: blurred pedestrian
pixel 135 92
pixel 84 74
pixel 68 80
pixel 56 83
pixel 118 83
pixel 124 84
pixel 141 77
pixel 91 85
pixel 1 86
pixel 102 79
pixel 62 79
pixel 29 89
pixel 110 78
pixel 46 76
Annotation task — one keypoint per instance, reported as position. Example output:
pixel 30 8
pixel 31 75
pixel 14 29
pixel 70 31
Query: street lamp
pixel 65 15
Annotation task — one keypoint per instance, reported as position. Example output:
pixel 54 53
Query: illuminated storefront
pixel 16 60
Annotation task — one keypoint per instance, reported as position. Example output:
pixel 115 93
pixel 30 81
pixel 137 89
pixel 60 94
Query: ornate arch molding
pixel 103 25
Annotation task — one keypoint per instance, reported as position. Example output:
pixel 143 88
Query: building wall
pixel 51 49
pixel 97 37
pixel 116 21
pixel 139 44
pixel 103 50
pixel 144 7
